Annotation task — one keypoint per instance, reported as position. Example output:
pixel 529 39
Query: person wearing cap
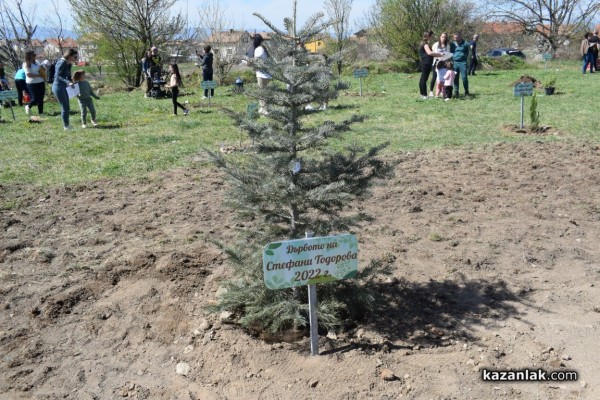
pixel 473 64
pixel 152 60
pixel 35 82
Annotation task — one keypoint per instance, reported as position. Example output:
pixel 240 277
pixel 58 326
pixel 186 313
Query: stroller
pixel 158 84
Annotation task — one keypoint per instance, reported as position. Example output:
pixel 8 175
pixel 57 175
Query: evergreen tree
pixel 291 182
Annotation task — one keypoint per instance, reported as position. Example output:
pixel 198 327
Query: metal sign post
pixel 521 90
pixel 312 313
pixel 9 95
pixel 210 85
pixel 360 74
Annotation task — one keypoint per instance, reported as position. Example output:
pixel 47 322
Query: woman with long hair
pixel 35 82
pixel 62 79
pixel 174 83
pixel 441 46
pixel 426 54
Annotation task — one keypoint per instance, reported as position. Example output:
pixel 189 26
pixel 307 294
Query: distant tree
pixel 400 23
pixel 291 180
pixel 56 23
pixel 339 13
pixel 555 21
pixel 215 29
pixel 128 29
pixel 17 27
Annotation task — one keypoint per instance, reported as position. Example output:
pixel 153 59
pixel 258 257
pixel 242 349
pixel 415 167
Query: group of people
pixel 30 84
pixel 449 62
pixel 589 51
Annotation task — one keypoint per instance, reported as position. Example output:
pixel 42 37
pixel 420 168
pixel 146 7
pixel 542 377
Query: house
pixel 229 43
pixel 315 46
pixel 88 47
pixel 55 47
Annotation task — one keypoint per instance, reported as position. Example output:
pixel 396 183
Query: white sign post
pixel 310 261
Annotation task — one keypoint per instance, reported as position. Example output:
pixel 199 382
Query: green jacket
pixel 85 91
pixel 460 50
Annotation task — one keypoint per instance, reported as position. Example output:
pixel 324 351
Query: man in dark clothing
pixel 473 64
pixel 594 42
pixel 460 48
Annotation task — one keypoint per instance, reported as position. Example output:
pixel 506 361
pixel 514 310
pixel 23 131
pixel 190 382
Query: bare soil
pixel 103 287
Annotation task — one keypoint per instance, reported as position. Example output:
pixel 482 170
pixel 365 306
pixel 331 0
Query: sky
pixel 239 12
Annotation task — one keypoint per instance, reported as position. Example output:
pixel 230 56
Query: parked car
pixel 505 52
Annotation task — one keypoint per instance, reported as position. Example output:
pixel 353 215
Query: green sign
pixel 8 95
pixel 208 84
pixel 252 110
pixel 523 89
pixel 361 73
pixel 309 261
pixel 547 56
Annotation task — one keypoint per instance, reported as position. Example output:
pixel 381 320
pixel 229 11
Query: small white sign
pixel 310 261
pixel 73 91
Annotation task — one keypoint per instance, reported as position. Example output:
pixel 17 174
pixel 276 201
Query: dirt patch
pixel 103 287
pixel 527 130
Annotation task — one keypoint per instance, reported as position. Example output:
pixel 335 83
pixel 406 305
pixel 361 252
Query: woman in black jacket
pixel 207 69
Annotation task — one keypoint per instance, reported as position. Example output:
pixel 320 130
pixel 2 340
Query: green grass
pixel 139 135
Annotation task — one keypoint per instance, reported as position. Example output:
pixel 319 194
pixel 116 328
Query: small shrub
pixel 534 114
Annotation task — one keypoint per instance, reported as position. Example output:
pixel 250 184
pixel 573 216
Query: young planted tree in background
pixel 292 181
pixel 338 12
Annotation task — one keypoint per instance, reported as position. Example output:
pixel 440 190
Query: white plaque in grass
pixel 308 261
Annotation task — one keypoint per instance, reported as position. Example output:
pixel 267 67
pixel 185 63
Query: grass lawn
pixel 137 135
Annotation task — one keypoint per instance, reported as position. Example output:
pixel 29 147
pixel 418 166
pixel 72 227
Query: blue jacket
pixel 62 74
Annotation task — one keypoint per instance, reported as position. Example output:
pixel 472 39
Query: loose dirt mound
pixel 103 287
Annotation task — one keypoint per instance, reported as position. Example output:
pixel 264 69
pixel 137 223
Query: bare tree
pixel 227 43
pixel 339 13
pixel 555 21
pixel 16 31
pixel 128 28
pixel 55 22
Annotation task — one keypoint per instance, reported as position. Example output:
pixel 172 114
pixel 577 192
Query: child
pixel 441 71
pixel 449 80
pixel 85 97
pixel 174 84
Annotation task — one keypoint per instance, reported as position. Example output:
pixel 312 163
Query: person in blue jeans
pixel 460 48
pixel 62 79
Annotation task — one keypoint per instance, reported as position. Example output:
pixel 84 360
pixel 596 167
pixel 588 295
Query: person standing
pixel 460 49
pixel 473 64
pixel 153 61
pixel 174 83
pixel 207 69
pixel 20 84
pixel 586 52
pixel 594 42
pixel 85 97
pixel 442 46
pixel 426 54
pixel 36 83
pixel 62 79
pixel 262 77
